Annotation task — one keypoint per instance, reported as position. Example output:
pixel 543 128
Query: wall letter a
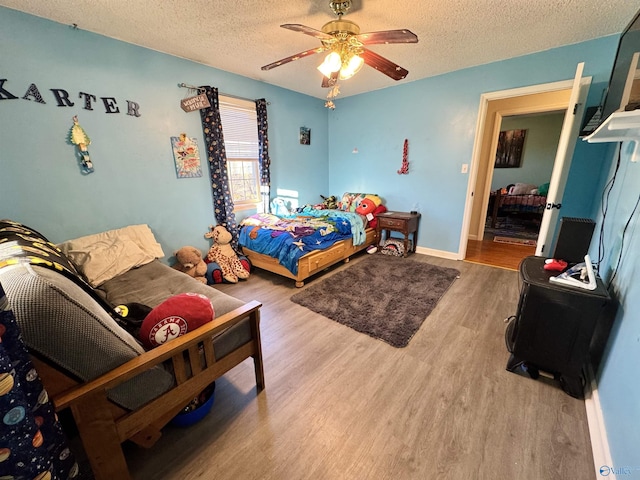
pixel 33 92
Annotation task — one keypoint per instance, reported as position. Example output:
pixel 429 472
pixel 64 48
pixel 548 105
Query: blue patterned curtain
pixel 263 153
pixel 32 443
pixel 217 158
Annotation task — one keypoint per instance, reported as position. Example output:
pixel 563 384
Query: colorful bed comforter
pixel 289 238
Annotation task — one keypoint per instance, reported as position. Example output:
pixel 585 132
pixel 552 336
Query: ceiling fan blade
pixel 383 65
pixel 291 58
pixel 330 82
pixel 296 27
pixel 388 36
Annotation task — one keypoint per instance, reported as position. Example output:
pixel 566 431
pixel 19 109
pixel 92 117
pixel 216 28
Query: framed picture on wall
pixel 305 136
pixel 510 148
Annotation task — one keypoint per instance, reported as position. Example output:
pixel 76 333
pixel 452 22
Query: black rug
pixel 385 297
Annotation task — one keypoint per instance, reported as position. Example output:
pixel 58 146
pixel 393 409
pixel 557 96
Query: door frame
pixel 481 124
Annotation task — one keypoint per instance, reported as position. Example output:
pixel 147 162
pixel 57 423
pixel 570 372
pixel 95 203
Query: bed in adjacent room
pixel 300 245
pixel 517 199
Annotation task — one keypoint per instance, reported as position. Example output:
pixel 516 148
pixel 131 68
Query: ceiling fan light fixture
pixel 332 63
pixel 352 67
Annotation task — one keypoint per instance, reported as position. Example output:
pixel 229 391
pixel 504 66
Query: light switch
pixel 465 168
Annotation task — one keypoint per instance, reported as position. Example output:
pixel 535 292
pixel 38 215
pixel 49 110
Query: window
pixel 240 127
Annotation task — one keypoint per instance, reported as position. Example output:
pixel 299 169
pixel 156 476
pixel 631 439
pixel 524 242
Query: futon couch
pixel 63 297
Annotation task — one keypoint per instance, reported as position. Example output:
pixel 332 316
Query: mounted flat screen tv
pixel 624 85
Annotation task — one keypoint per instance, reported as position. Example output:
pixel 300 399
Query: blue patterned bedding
pixel 289 238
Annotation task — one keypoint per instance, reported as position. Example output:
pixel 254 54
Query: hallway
pixel 488 252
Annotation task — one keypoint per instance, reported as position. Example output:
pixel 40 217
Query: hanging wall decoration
pixel 196 101
pixel 405 159
pixel 79 137
pixel 186 156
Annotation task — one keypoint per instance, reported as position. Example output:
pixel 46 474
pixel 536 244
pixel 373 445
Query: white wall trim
pixel 437 253
pixel 485 98
pixel 597 430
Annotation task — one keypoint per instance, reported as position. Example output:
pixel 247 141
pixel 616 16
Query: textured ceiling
pixel 240 36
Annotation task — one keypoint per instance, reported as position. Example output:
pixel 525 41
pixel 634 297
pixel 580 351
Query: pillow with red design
pixel 175 316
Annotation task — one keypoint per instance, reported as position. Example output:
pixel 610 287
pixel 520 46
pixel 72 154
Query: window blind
pixel 239 123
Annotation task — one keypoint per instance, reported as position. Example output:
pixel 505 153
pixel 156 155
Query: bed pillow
pixel 103 256
pixel 543 189
pixel 108 258
pixel 522 189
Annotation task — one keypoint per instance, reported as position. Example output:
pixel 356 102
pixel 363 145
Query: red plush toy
pixel 379 209
pixel 366 206
pixel 369 206
pixel 175 316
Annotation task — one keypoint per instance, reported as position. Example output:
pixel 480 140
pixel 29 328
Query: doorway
pixel 481 248
pixel 533 99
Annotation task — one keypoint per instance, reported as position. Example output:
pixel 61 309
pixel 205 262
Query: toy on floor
pixel 189 260
pixel 222 253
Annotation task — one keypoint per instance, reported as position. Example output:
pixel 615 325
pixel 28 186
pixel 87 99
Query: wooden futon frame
pixel 103 425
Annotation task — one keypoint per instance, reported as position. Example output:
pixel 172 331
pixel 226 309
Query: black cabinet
pixel 557 329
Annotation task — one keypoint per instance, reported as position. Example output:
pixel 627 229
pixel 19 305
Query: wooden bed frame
pixel 312 262
pixel 495 205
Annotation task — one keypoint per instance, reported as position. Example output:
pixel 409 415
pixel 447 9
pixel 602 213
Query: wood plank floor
pixel 341 405
pixel 488 252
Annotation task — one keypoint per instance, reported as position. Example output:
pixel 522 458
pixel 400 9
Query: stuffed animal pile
pixel 189 260
pixel 222 253
pixel 330 203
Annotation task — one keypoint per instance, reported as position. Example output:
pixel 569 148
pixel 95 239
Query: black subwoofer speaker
pixel 574 238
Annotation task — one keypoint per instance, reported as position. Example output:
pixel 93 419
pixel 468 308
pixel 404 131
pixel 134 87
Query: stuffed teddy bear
pixel 189 260
pixel 222 253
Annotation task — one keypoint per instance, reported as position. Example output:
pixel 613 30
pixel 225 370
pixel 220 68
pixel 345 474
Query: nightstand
pixel 403 222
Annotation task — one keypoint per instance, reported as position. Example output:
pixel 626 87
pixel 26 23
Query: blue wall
pixel 438 116
pixel 618 379
pixel 134 179
pixel 135 182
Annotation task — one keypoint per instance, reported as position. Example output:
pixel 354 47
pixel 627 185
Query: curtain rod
pixel 193 87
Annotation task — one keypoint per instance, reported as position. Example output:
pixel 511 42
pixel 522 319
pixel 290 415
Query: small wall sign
pixel 191 104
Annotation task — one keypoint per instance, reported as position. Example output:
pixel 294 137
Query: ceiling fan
pixel 346 47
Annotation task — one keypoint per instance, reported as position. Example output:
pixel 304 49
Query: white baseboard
pixel 437 253
pixel 597 431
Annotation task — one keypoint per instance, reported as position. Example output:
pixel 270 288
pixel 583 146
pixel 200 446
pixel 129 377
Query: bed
pixel 505 204
pixel 301 245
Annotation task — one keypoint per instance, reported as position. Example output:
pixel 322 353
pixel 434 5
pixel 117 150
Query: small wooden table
pixel 403 222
